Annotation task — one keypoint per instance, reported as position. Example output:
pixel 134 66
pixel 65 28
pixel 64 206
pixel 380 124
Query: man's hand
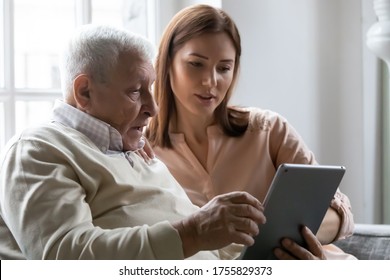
pixel 228 218
pixel 292 251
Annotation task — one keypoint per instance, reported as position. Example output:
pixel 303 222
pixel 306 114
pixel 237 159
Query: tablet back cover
pixel 299 195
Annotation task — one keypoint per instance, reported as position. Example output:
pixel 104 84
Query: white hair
pixel 95 50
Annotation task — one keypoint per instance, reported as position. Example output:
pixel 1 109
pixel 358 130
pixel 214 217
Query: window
pixel 32 33
pixel 39 27
pixel 132 15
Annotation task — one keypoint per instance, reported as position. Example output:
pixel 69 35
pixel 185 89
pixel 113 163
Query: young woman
pixel 211 147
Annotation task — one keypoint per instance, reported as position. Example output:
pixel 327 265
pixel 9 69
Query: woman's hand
pixel 329 227
pixel 292 251
pixel 146 152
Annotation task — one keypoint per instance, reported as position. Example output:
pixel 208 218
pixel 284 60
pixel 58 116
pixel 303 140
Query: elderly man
pixel 75 188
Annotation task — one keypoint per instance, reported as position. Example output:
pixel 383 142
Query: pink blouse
pixel 245 163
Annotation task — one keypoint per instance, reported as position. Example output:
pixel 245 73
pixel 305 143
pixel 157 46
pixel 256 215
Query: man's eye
pixel 134 94
pixel 135 91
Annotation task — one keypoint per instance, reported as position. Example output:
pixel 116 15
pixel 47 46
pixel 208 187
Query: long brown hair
pixel 185 25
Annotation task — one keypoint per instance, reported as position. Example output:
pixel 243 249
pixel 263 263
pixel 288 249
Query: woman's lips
pixel 205 99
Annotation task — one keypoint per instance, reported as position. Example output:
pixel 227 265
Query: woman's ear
pixel 81 91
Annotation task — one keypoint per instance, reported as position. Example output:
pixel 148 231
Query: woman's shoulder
pixel 263 119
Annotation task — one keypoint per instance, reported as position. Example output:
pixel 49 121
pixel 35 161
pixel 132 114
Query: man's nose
pixel 149 105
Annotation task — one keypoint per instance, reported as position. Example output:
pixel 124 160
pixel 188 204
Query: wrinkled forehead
pixel 136 66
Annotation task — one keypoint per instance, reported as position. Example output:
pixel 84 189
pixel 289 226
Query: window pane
pixel 2 70
pixel 40 27
pixel 29 113
pixel 130 14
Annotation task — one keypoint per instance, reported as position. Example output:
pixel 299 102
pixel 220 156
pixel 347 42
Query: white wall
pixel 166 9
pixel 304 59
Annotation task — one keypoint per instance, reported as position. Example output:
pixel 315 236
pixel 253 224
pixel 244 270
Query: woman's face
pixel 201 73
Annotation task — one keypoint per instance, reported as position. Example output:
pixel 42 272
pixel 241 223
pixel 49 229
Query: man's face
pixel 125 101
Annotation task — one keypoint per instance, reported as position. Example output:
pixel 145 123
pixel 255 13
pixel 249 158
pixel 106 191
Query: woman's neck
pixel 194 129
pixel 192 126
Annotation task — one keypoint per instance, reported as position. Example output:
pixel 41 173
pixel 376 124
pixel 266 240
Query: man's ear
pixel 81 91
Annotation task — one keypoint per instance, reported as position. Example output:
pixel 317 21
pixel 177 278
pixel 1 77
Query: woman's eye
pixel 224 69
pixel 195 63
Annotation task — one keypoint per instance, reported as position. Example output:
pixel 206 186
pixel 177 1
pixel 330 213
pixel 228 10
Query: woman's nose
pixel 210 78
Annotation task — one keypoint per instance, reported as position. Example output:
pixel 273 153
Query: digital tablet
pixel 299 195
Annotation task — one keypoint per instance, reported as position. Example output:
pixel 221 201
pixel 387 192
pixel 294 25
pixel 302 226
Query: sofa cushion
pixel 368 242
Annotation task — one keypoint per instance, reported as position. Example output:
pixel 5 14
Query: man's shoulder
pixel 51 133
pixel 45 130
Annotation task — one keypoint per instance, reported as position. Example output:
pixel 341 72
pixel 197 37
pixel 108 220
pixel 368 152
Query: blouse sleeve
pixel 287 146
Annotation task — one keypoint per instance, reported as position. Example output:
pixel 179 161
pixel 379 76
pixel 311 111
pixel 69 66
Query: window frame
pixel 10 94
